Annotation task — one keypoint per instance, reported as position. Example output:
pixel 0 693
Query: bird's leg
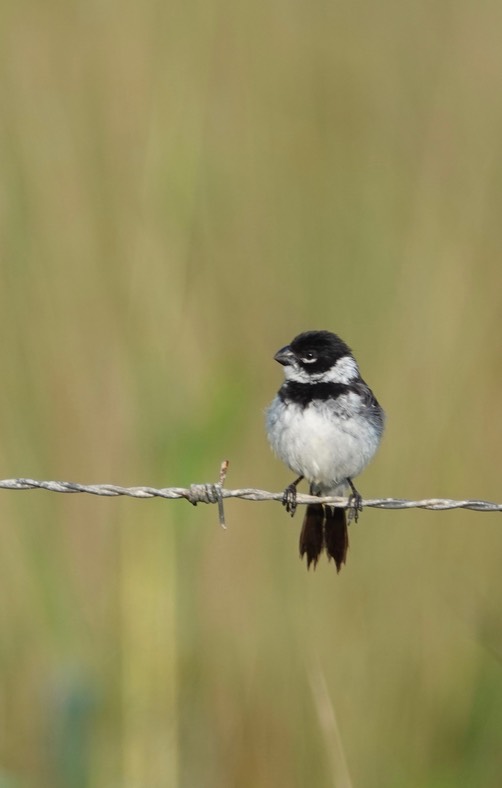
pixel 289 496
pixel 355 502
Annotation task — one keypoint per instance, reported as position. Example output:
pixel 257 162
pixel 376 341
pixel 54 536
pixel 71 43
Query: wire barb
pixel 210 493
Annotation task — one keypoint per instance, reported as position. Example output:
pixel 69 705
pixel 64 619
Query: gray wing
pixel 369 404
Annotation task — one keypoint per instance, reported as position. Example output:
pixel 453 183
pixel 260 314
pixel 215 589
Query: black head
pixel 314 352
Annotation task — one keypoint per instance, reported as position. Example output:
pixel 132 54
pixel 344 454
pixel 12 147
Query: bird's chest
pixel 318 442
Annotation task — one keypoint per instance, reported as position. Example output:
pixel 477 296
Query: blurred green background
pixel 184 187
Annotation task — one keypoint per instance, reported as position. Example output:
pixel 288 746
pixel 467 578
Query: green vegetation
pixel 185 186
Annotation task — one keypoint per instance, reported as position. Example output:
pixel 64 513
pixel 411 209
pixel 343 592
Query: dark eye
pixel 309 358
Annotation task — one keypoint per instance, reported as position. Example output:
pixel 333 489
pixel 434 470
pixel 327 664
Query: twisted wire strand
pixel 215 493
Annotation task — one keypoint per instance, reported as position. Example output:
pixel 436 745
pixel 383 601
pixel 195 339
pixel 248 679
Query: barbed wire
pixel 216 493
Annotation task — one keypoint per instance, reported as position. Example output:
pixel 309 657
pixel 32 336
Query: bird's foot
pixel 355 503
pixel 289 497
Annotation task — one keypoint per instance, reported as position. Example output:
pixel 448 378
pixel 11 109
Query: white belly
pixel 318 444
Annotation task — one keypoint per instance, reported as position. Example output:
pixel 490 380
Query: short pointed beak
pixel 285 356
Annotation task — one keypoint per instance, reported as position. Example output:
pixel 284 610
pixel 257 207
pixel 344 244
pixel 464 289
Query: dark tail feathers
pixel 324 528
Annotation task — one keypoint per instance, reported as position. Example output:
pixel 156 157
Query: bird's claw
pixel 355 505
pixel 289 499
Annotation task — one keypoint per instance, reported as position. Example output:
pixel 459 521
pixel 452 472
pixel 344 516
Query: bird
pixel 325 424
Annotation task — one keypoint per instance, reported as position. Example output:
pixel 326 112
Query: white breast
pixel 317 443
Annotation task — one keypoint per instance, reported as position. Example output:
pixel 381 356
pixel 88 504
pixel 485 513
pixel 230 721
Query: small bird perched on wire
pixel 325 424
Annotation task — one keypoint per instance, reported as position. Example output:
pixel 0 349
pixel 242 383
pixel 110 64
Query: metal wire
pixel 216 493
